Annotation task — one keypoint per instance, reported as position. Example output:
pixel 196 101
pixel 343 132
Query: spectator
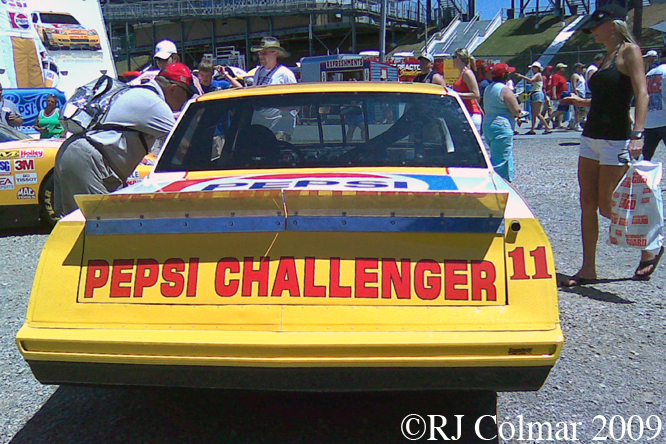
pixel 466 85
pixel 655 122
pixel 207 82
pixel 608 140
pixel 594 66
pixel 547 82
pixel 650 58
pixel 166 53
pixel 501 108
pixel 48 120
pixel 99 161
pixel 486 80
pixel 428 73
pixel 9 113
pixel 579 86
pixel 558 85
pixel 281 122
pixel 537 97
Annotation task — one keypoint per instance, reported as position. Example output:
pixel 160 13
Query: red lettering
pixel 97 276
pixel 143 279
pixel 118 277
pixel 427 286
pixel 483 280
pixel 312 290
pixel 399 280
pixel 192 275
pixel 260 276
pixel 364 277
pixel 540 263
pixel 286 278
pixel 518 258
pixel 174 281
pixel 337 290
pixel 223 287
pixel 453 278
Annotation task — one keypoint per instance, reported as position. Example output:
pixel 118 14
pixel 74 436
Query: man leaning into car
pixel 9 112
pixel 100 160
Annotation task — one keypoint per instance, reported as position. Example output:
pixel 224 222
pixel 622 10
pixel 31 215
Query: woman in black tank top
pixel 608 138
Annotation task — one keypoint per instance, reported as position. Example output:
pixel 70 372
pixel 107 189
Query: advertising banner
pixel 30 101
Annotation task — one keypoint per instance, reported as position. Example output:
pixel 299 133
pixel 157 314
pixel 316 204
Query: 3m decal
pixel 383 280
pixel 519 266
pixel 32 154
pixel 24 165
pixel 26 178
pixel 10 154
pixel 6 182
pixel 26 193
pixel 5 167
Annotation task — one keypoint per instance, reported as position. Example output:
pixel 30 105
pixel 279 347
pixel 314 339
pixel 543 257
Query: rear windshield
pixel 323 131
pixel 59 18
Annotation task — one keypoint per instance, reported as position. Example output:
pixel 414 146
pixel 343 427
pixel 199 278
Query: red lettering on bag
pixel 640 220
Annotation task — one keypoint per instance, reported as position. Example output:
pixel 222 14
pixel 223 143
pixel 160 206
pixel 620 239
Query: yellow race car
pixel 318 237
pixel 60 30
pixel 26 181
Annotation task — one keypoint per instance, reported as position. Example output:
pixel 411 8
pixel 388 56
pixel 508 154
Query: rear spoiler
pixel 294 210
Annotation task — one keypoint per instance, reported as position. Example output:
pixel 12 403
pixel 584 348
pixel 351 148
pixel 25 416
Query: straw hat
pixel 272 44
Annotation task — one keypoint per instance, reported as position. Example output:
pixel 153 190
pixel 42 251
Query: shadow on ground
pixel 100 415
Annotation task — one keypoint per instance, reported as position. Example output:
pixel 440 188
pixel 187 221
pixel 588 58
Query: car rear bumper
pixel 331 361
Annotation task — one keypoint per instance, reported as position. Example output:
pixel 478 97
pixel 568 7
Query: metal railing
pixel 180 9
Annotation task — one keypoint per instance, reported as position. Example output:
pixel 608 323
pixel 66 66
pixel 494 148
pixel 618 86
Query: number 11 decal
pixel 540 264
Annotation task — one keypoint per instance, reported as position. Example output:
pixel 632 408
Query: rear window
pixel 323 131
pixel 65 19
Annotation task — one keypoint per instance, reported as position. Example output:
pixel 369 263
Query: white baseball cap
pixel 165 49
pixel 651 53
pixel 536 64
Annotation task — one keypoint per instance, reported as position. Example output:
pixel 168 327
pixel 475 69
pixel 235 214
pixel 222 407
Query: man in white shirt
pixel 9 113
pixel 655 121
pixel 594 66
pixel 281 121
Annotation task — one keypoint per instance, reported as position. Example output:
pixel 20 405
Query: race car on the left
pixel 26 181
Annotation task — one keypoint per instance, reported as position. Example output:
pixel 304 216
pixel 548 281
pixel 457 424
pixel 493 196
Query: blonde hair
pixel 624 31
pixel 464 55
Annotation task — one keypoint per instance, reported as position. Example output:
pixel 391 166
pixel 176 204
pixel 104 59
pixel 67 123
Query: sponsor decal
pixel 5 167
pixel 26 193
pixel 26 179
pixel 314 181
pixel 10 154
pixel 19 20
pixel 24 165
pixel 7 183
pixel 384 281
pixel 32 154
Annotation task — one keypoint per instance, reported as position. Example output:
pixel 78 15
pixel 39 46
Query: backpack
pixel 90 104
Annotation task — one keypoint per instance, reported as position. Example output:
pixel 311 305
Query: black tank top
pixel 424 78
pixel 612 92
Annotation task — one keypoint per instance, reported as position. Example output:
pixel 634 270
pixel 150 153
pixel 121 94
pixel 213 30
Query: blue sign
pixel 30 101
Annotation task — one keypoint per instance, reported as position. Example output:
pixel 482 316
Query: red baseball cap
pixel 179 72
pixel 502 68
pixel 549 67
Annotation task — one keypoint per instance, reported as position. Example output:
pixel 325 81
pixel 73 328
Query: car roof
pixel 327 87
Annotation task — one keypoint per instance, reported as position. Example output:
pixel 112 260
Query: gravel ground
pixel 612 362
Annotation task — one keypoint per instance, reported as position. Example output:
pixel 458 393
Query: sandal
pixel 577 281
pixel 644 264
pixel 547 131
pixel 530 133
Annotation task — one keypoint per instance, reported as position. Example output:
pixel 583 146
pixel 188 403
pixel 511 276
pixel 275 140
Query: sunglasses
pixel 187 91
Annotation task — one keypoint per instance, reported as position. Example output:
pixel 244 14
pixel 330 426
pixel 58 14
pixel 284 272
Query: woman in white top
pixel 579 85
pixel 537 97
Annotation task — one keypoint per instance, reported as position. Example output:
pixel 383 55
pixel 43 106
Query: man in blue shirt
pixel 206 70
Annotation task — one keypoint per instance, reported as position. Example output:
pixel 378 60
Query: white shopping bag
pixel 637 215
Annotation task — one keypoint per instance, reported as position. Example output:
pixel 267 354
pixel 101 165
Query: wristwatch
pixel 636 135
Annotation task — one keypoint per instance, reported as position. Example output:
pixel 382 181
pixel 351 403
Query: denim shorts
pixel 537 97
